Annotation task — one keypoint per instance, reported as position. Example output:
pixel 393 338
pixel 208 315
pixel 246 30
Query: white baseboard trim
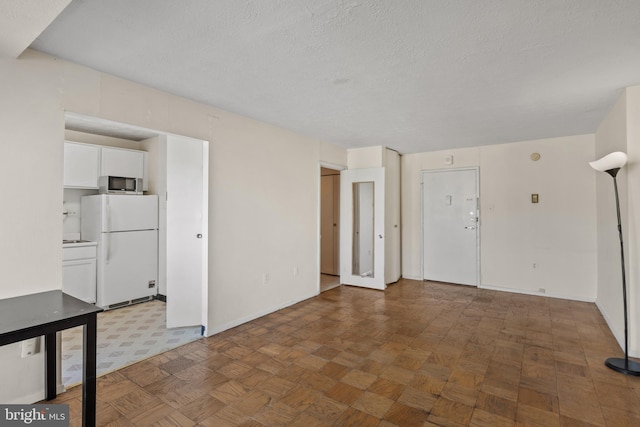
pixel 245 319
pixel 31 398
pixel 520 291
pixel 535 293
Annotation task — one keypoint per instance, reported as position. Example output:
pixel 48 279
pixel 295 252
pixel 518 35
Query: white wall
pixel 264 183
pixel 611 136
pixel 367 157
pixel 620 131
pixel 557 234
pixel 633 216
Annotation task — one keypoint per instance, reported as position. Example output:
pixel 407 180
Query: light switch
pixel 447 200
pixel 534 198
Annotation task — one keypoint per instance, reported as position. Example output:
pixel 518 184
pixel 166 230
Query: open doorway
pixel 329 228
pixel 136 329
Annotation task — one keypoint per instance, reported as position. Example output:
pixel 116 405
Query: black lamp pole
pixel 626 366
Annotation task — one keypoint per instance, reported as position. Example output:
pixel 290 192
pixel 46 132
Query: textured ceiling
pixel 413 75
pixel 21 21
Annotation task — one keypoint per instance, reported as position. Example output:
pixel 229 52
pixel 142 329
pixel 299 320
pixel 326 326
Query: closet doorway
pixel 329 228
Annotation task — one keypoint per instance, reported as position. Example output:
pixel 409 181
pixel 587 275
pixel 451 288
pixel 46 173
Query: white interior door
pixel 362 213
pixel 186 232
pixel 450 226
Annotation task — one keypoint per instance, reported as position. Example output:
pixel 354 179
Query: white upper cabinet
pixel 81 165
pixel 122 162
pixel 84 163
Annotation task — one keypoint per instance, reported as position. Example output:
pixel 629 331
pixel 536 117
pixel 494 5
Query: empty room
pixel 351 213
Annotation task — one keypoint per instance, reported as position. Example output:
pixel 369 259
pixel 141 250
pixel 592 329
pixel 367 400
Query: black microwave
pixel 119 185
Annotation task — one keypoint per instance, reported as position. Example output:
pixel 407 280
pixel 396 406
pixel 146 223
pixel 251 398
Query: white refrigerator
pixel 126 229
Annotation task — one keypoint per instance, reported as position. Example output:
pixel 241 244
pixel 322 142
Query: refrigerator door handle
pixel 107 236
pixel 107 249
pixel 107 226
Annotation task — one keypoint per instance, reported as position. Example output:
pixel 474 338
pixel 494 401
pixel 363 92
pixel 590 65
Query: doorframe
pixel 97 121
pixel 476 169
pixel 336 167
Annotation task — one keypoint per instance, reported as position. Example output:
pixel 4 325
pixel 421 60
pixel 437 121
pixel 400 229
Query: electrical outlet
pixel 30 347
pixel 542 290
pixel 265 279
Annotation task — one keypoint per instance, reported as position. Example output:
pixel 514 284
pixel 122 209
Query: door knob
pixel 472 227
pixel 199 236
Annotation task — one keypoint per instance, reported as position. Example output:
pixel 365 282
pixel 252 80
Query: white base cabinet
pixel 79 272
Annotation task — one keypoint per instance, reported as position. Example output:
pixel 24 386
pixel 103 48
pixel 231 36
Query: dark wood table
pixel 46 313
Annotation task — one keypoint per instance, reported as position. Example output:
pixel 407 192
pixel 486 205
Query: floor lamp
pixel 611 164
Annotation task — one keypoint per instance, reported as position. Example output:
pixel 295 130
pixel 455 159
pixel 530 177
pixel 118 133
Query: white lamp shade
pixel 614 160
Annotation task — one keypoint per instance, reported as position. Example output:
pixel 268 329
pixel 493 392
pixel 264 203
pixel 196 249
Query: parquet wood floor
pixel 417 354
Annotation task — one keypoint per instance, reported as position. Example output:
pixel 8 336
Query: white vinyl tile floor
pixel 125 335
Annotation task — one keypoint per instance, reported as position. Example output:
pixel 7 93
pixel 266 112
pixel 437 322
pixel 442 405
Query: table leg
pixel 50 366
pixel 89 373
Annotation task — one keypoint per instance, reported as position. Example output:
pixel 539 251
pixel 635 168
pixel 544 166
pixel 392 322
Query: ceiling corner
pixel 21 21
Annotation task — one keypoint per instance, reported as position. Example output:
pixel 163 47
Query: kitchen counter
pixel 77 243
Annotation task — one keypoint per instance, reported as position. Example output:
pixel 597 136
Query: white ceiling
pixel 21 21
pixel 413 75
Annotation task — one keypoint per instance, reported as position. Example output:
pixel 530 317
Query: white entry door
pixel 186 232
pixel 450 226
pixel 362 216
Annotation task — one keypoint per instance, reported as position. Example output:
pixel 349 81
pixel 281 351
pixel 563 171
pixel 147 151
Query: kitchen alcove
pixel 168 159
